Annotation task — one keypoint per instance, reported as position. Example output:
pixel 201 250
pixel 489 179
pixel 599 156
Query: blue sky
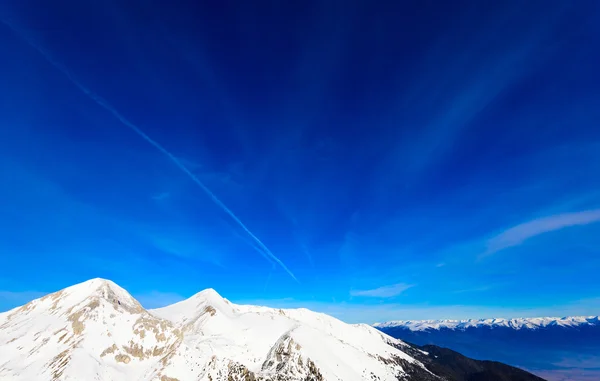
pixel 372 161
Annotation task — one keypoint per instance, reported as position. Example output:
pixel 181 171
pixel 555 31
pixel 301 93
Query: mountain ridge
pixel 96 330
pixel 516 323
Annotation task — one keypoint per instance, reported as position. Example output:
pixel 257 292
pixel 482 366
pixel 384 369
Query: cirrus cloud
pixel 383 292
pixel 522 232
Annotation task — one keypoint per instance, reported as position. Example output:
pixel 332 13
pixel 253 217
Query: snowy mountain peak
pixel 81 332
pixel 208 292
pixel 98 284
pixel 197 308
pixel 518 323
pixel 98 289
pixel 211 297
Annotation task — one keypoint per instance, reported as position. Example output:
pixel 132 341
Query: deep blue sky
pixel 401 159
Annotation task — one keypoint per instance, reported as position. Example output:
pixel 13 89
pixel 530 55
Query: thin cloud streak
pixel 383 292
pixel 522 232
pixel 264 250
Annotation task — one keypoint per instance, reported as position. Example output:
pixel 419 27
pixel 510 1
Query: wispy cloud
pixel 260 246
pixel 470 290
pixel 383 292
pixel 522 232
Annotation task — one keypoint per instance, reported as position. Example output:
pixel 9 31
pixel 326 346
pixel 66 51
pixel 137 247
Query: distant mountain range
pixel 97 331
pixel 520 323
pixel 565 348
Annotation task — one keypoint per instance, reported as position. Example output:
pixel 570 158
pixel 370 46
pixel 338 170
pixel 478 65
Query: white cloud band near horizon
pixel 383 292
pixel 518 234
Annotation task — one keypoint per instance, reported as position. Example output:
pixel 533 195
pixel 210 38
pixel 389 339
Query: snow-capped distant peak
pixel 518 323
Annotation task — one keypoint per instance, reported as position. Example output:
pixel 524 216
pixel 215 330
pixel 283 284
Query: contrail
pixel 268 278
pixel 262 248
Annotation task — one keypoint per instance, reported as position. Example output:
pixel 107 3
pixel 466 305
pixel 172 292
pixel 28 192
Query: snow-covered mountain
pixel 519 323
pixel 555 348
pixel 97 331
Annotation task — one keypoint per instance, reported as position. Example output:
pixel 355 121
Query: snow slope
pixel 519 323
pixel 96 331
pixel 92 331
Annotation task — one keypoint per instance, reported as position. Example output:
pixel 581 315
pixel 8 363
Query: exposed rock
pixel 123 358
pixel 147 323
pixel 210 310
pixel 285 362
pixel 76 317
pixel 58 364
pixel 110 350
pixel 136 350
